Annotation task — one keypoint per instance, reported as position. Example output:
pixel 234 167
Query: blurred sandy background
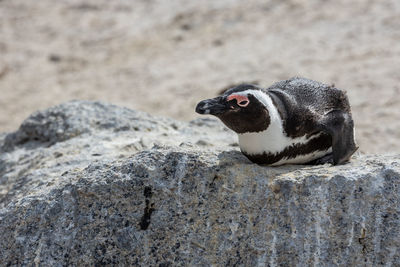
pixel 164 56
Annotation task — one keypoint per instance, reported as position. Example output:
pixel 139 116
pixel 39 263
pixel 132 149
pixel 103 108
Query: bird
pixel 295 121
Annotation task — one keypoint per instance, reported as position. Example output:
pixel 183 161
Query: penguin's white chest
pixel 268 141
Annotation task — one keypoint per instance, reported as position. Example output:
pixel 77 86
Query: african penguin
pixel 296 121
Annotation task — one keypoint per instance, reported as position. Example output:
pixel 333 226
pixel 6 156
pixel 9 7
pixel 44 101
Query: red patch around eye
pixel 240 99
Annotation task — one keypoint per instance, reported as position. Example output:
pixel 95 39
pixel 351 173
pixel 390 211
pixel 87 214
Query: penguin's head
pixel 239 108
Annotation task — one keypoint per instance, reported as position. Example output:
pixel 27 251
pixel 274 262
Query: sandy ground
pixel 164 56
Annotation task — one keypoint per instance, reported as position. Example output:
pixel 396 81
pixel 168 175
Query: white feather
pixel 303 158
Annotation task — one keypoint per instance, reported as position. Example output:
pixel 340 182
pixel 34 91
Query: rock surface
pixel 86 183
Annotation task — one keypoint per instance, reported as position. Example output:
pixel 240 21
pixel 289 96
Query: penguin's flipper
pixel 340 126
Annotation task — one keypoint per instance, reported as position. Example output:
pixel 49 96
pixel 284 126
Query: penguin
pixel 295 121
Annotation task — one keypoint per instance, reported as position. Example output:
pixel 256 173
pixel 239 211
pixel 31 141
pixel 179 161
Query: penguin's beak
pixel 213 106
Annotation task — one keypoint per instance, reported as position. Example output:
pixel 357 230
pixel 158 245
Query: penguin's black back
pixel 302 103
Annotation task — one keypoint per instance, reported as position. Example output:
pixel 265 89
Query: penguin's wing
pixel 340 126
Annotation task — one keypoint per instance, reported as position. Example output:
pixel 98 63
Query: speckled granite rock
pixel 89 184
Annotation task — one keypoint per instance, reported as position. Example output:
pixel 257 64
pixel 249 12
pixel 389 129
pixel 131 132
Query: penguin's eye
pixel 243 103
pixel 241 100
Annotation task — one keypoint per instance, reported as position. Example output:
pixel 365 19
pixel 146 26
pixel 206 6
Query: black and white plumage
pixel 296 121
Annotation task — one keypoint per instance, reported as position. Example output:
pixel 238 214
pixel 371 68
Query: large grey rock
pixel 93 184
